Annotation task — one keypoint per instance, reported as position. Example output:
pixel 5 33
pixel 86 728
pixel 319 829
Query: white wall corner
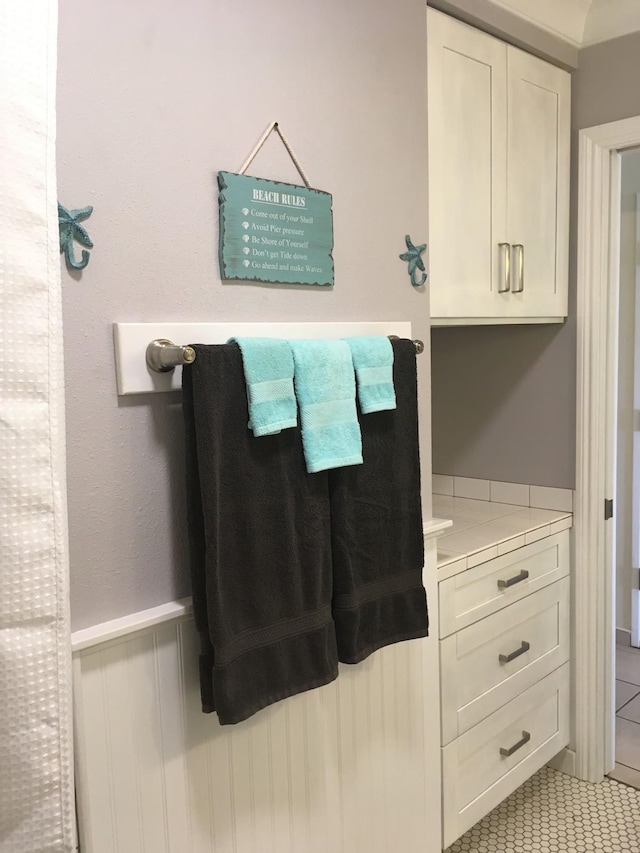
pixel 580 23
pixel 609 19
pixel 566 20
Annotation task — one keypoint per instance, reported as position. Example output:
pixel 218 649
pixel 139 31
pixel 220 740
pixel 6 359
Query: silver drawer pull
pixel 504 267
pixel 513 655
pixel 526 737
pixel 517 269
pixel 522 576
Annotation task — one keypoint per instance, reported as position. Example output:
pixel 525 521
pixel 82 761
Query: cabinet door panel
pixel 538 181
pixel 476 593
pixel 467 168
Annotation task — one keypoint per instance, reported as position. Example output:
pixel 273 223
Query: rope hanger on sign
pixel 274 126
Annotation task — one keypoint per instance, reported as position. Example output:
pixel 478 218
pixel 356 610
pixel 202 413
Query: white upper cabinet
pixel 538 110
pixel 467 168
pixel 498 179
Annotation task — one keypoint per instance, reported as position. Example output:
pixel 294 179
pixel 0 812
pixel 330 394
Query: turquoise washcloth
pixel 268 372
pixel 373 362
pixel 326 392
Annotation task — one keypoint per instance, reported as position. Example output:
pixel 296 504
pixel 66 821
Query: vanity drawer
pixel 479 592
pixel 486 764
pixel 489 663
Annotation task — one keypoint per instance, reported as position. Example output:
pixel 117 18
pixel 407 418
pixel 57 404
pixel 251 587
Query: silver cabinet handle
pixel 517 270
pixel 521 576
pixel 516 654
pixel 504 267
pixel 526 737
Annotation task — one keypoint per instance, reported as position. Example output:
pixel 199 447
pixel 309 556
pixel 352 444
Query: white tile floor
pixel 555 813
pixel 627 767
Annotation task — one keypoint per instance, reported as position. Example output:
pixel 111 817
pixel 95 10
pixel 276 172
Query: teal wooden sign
pixel 274 232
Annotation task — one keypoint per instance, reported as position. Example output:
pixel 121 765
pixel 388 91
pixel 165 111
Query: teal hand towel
pixel 268 372
pixel 326 392
pixel 373 363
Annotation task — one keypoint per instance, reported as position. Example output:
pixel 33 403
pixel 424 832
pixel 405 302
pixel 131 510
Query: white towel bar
pixel 163 355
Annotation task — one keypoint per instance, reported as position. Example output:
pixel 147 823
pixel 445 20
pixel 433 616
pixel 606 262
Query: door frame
pixel 596 314
pixel 635 479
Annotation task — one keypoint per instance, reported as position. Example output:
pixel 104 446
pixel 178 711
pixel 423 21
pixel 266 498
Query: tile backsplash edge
pixel 522 494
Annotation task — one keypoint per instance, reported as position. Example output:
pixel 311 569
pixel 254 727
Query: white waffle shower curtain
pixel 36 770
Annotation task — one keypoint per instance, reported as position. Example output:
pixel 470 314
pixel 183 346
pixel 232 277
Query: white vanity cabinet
pixel 504 676
pixel 499 137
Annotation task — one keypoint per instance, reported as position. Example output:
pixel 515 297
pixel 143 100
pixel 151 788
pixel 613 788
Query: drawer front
pixel 489 663
pixel 486 764
pixel 485 589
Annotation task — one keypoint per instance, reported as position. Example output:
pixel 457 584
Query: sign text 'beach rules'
pixel 274 232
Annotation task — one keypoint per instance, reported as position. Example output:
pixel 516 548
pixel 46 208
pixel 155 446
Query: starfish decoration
pixel 69 222
pixel 415 261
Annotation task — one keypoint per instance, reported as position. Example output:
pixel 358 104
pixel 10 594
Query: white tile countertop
pixel 482 530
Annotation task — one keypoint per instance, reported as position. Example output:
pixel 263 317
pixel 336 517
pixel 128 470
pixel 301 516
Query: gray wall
pixel 607 83
pixel 152 101
pixel 154 98
pixel 509 392
pixel 502 401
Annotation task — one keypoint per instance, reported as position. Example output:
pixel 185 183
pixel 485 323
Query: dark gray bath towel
pixel 260 548
pixel 376 527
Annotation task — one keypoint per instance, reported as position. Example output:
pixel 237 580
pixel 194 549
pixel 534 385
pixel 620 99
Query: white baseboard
pixel 623 637
pixel 565 762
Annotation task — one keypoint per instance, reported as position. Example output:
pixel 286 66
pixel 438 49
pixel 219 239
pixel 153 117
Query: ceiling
pixel 580 22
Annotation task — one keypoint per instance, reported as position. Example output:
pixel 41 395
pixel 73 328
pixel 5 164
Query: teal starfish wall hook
pixel 412 256
pixel 70 228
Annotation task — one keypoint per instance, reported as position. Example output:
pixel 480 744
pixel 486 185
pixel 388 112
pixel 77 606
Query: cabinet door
pixel 467 168
pixel 538 184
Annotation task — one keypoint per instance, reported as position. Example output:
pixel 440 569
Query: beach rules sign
pixel 274 232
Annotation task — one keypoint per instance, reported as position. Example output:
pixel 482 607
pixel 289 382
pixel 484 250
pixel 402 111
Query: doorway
pixel 627 480
pixel 599 192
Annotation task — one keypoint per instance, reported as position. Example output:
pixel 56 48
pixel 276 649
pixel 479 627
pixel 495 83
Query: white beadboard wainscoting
pixel 349 767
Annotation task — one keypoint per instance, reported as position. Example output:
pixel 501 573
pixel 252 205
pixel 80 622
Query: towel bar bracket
pixel 419 345
pixel 163 355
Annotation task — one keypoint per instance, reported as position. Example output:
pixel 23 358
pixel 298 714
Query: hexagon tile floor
pixel 555 813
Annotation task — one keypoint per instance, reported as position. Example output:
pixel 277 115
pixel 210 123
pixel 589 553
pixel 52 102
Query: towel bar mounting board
pixel 131 340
